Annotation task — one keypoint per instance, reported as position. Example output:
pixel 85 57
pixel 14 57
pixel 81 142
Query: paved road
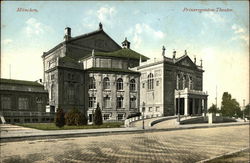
pixel 169 146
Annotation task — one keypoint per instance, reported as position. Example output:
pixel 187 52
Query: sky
pixel 219 35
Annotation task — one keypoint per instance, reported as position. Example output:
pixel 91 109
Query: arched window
pixel 92 83
pixel 132 85
pixel 106 83
pixel 71 93
pixel 119 84
pixel 150 81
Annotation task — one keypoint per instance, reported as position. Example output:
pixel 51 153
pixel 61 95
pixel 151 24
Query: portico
pixel 191 102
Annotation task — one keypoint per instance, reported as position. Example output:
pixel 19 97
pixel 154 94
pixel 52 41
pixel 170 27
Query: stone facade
pixel 23 101
pixel 92 68
pixel 176 83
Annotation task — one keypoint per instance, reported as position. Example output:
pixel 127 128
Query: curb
pixel 104 133
pixel 225 154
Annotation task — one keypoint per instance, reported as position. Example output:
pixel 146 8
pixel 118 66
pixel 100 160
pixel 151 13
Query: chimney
pixel 126 44
pixel 163 51
pixel 67 34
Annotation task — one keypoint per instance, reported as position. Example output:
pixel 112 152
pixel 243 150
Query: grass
pixel 52 126
pixel 243 156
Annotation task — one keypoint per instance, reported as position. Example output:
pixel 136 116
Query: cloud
pixel 7 41
pixel 142 32
pixel 34 27
pixel 105 14
pixel 240 33
pixel 214 17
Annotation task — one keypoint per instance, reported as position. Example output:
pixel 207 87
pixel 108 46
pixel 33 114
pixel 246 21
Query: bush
pixel 59 119
pixel 98 115
pixel 75 118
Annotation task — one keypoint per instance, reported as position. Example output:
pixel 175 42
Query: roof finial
pixel 201 62
pixel 185 52
pixel 194 59
pixel 93 52
pixel 163 50
pixel 100 26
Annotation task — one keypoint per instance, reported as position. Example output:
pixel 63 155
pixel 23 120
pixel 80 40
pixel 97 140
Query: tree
pixel 59 119
pixel 98 115
pixel 247 111
pixel 75 117
pixel 230 107
pixel 213 109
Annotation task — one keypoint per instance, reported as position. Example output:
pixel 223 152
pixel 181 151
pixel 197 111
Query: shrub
pixel 98 116
pixel 75 117
pixel 59 119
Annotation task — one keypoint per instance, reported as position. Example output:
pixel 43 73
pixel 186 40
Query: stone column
pixel 186 105
pixel 205 105
pixel 175 107
pixel 200 105
pixel 193 106
pixel 99 89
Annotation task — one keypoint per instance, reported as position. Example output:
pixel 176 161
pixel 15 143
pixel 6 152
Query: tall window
pixel 106 83
pixel 5 103
pixel 190 82
pixel 23 103
pixel 132 85
pixel 132 102
pixel 107 102
pixel 150 81
pixel 184 81
pixel 52 90
pixel 71 93
pixel 178 81
pixel 92 101
pixel 120 102
pixel 92 83
pixel 119 84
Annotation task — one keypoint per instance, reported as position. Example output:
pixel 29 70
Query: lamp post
pixel 244 110
pixel 143 110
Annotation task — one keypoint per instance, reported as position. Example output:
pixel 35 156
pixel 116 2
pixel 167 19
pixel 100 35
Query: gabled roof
pixel 80 37
pixel 186 61
pixel 20 82
pixel 122 53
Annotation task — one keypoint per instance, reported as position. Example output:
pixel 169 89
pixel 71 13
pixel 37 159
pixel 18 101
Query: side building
pixel 171 86
pixel 23 101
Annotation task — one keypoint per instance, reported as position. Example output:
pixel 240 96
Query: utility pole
pixel 244 110
pixel 216 97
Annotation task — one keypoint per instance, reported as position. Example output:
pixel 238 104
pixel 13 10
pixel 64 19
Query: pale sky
pixel 219 38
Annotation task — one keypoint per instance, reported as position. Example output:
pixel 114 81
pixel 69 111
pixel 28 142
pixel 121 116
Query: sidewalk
pixel 16 133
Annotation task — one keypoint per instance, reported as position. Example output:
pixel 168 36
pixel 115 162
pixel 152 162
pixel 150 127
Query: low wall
pixel 215 119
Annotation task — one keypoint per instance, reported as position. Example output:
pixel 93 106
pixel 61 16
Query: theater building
pixel 92 68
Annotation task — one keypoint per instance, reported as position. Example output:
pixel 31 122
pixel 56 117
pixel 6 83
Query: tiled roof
pixel 122 53
pixel 20 82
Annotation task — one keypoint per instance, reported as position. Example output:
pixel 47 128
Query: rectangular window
pixel 107 102
pixel 106 117
pixel 92 101
pixel 119 102
pixel 150 109
pixel 157 108
pixel 157 83
pixel 132 102
pixel 23 103
pixel 52 77
pixel 120 117
pixel 6 103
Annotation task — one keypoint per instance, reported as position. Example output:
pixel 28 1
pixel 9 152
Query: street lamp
pixel 244 110
pixel 143 110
